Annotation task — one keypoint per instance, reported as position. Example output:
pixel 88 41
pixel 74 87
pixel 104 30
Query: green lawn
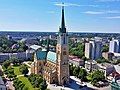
pixel 23 79
pixel 16 70
pixel 26 82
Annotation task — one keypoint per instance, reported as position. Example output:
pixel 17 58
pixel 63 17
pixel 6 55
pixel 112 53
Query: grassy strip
pixel 26 82
pixel 16 70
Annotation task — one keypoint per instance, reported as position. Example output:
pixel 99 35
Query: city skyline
pixel 101 16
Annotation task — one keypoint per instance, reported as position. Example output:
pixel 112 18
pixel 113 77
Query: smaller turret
pixel 48 42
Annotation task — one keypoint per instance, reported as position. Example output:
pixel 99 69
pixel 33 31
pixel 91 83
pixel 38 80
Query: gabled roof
pixel 51 56
pixel 44 55
pixel 41 55
pixel 35 47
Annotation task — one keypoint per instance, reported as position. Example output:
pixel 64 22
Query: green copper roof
pixel 41 55
pixel 51 56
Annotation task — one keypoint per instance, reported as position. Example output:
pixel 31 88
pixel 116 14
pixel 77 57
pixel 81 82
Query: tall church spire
pixel 62 53
pixel 62 28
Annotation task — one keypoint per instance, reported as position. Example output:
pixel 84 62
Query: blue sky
pixel 45 15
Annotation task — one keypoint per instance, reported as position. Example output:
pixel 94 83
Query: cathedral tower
pixel 62 54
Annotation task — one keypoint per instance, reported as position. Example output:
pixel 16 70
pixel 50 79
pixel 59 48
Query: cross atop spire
pixel 62 28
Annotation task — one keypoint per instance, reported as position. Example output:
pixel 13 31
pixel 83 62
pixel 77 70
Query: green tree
pixel 24 69
pixel 5 44
pixel 6 64
pixel 15 60
pixel 10 73
pixel 82 74
pixel 43 85
pixel 1 72
pixel 35 80
pixel 84 58
pixel 97 76
pixel 71 68
pixel 102 60
pixel 18 84
pixel 105 48
pixel 76 49
pixel 76 71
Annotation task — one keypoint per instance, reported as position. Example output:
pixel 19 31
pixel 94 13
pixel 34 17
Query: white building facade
pixel 2 85
pixel 114 46
pixel 20 55
pixel 93 50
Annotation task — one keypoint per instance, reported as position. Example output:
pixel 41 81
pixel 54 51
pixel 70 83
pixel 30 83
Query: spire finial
pixel 62 6
pixel 63 29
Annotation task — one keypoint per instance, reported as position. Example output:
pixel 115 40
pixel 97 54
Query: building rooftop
pixel 116 54
pixel 2 85
pixel 35 47
pixel 118 81
pixel 44 55
pixel 44 49
pixel 41 55
pixel 91 61
pixel 76 59
pixel 72 57
pixel 117 68
pixel 105 65
pixel 51 56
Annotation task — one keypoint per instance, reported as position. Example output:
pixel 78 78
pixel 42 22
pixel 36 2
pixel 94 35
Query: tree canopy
pixel 15 61
pixel 6 45
pixel 6 64
pixel 37 81
pixel 24 69
pixel 78 72
pixel 96 76
pixel 76 49
pixel 105 48
pixel 18 84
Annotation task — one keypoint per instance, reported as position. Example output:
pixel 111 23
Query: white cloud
pixel 89 5
pixel 73 4
pixel 113 11
pixel 108 0
pixel 51 12
pixel 93 12
pixel 65 4
pixel 102 12
pixel 113 17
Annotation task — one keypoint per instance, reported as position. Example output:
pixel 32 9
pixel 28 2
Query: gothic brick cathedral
pixel 54 66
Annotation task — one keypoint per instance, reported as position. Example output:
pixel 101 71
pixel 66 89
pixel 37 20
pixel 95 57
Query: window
pixel 64 53
pixel 64 63
pixel 64 48
pixel 64 40
pixel 58 56
pixel 58 48
pixel 58 52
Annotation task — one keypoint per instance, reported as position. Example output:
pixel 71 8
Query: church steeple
pixel 62 28
pixel 62 53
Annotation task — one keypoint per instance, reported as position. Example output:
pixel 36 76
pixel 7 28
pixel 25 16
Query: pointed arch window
pixel 64 40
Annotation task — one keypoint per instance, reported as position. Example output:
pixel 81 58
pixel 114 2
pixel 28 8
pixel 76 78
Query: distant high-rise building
pixel 88 50
pixel 98 39
pixel 114 46
pixel 93 50
pixel 9 37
